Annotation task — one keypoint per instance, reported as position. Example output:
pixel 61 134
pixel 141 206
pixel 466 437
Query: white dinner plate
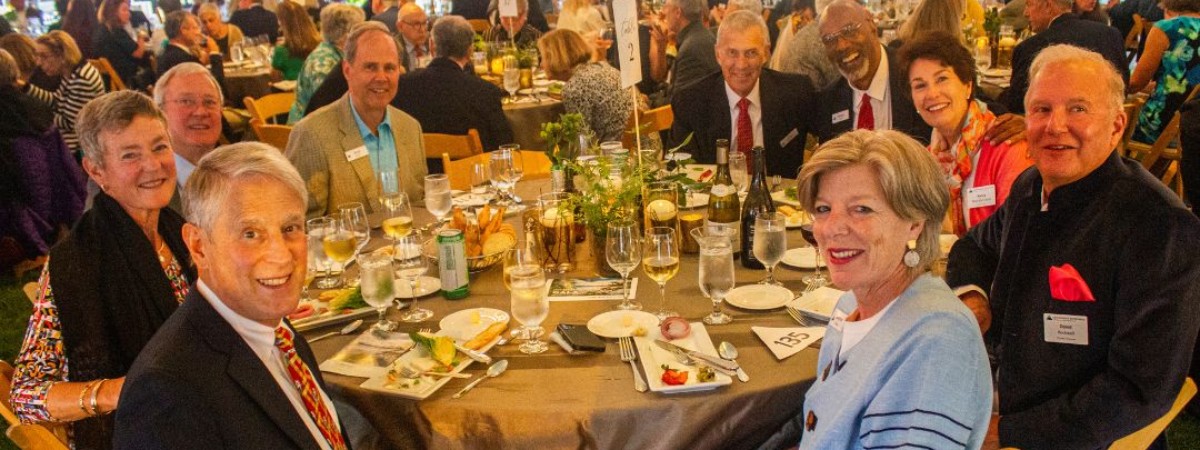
pixel 818 303
pixel 528 91
pixel 801 258
pixel 678 156
pixel 696 200
pixel 426 285
pixel 619 324
pixel 759 296
pixel 471 199
pixel 654 357
pixel 466 324
pixel 997 73
pixel 781 198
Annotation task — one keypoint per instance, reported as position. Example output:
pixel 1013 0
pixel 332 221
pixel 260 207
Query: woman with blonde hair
pixel 23 50
pixel 931 15
pixel 590 84
pixel 300 37
pixel 58 56
pixel 581 17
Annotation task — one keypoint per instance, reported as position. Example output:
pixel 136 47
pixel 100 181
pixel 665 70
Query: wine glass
pixel 317 229
pixel 354 216
pixel 523 257
pixel 506 170
pixel 340 243
pixel 660 262
pixel 512 77
pixel 411 265
pixel 437 196
pixel 530 305
pixel 770 242
pixel 817 279
pixel 481 179
pixel 738 171
pixel 623 249
pixel 398 212
pixel 378 284
pixel 310 270
pixel 716 273
pixel 517 171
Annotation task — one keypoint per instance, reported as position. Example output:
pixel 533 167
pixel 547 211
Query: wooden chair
pixel 1162 157
pixel 106 69
pixel 31 290
pixel 650 121
pixel 6 374
pixel 275 135
pixel 458 146
pixel 479 25
pixel 270 106
pixel 1142 438
pixel 1134 37
pixel 535 163
pixel 30 436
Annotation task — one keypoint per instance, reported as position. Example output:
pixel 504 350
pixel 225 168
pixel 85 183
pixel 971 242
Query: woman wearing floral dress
pixel 1173 44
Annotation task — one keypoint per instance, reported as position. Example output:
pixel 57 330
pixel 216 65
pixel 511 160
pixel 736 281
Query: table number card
pixel 508 8
pixel 626 20
pixel 785 342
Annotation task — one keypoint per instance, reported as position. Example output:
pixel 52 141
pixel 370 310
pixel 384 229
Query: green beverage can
pixel 452 263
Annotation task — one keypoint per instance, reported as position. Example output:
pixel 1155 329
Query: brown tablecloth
pixel 527 118
pixel 240 83
pixel 555 400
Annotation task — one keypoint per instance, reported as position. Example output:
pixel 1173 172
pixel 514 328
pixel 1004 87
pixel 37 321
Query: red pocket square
pixel 1067 285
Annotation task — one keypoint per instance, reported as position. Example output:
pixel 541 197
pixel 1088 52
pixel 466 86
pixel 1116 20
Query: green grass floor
pixel 1184 433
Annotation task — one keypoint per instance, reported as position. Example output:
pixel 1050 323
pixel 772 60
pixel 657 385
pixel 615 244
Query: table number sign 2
pixel 626 20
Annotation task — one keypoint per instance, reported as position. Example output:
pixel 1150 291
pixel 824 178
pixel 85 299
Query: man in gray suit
pixel 340 148
pixel 696 57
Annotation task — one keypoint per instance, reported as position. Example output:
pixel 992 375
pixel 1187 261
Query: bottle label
pixel 452 263
pixel 721 190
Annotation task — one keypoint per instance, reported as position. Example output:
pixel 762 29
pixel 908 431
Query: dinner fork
pixel 800 318
pixel 627 355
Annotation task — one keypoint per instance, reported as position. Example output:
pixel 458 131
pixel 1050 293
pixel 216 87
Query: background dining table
pixel 527 116
pixel 556 400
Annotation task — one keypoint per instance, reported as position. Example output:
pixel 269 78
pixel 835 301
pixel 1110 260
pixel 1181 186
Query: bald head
pixel 413 24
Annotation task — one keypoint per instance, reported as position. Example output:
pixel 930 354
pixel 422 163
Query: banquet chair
pixel 1162 157
pixel 458 146
pixel 536 165
pixel 32 436
pixel 6 373
pixel 31 289
pixel 1141 439
pixel 274 135
pixel 650 121
pixel 479 25
pixel 106 69
pixel 270 106
pixel 1134 37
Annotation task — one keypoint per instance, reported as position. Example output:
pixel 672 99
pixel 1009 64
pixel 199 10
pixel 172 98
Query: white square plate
pixel 653 357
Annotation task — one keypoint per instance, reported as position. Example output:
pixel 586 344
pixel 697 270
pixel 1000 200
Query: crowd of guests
pixel 1053 226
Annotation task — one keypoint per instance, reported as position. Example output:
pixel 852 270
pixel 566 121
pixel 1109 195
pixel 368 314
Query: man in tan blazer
pixel 339 148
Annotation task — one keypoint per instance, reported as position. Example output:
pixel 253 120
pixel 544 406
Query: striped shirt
pixel 78 88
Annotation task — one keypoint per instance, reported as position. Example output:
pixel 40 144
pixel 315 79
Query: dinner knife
pixel 473 354
pixel 713 360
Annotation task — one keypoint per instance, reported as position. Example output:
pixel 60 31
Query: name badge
pixel 838 319
pixel 841 116
pixel 981 196
pixel 1066 329
pixel 356 153
pixel 791 136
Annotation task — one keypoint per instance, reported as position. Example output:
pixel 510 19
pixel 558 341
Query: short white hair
pixel 1058 54
pixel 754 6
pixel 741 21
pixel 207 189
pixel 187 68
pixel 338 19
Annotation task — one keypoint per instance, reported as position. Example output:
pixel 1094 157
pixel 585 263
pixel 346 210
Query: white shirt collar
pixel 259 337
pixel 879 85
pixel 183 169
pixel 734 98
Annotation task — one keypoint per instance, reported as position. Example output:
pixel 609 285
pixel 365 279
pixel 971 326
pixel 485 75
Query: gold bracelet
pixel 96 390
pixel 82 395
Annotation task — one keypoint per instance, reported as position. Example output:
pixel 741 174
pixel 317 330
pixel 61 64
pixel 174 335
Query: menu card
pixel 600 288
pixel 368 355
pixel 785 342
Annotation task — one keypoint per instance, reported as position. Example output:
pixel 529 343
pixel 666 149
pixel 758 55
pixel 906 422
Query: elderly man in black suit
pixel 745 102
pixel 225 370
pixel 254 20
pixel 695 58
pixel 1054 23
pixel 445 98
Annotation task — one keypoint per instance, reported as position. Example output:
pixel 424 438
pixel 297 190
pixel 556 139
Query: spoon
pixel 349 328
pixel 730 353
pixel 493 371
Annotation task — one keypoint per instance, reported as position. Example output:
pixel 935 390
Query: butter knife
pixel 473 354
pixel 711 360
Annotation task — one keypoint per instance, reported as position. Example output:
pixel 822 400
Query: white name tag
pixel 841 116
pixel 356 153
pixel 981 196
pixel 1066 329
pixel 791 136
pixel 837 320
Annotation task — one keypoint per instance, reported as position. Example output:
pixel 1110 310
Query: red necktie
pixel 309 393
pixel 745 131
pixel 866 115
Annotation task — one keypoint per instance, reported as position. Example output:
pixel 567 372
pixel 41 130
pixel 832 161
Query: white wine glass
pixel 817 279
pixel 378 284
pixel 512 77
pixel 660 262
pixel 716 271
pixel 410 264
pixel 623 252
pixel 530 305
pixel 310 270
pixel 317 228
pixel 506 170
pixel 398 221
pixel 481 179
pixel 739 172
pixel 437 197
pixel 354 216
pixel 340 244
pixel 770 242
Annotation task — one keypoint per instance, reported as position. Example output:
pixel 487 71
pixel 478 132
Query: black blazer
pixel 837 102
pixel 446 99
pixel 174 56
pixel 197 385
pixel 256 21
pixel 1066 29
pixel 787 103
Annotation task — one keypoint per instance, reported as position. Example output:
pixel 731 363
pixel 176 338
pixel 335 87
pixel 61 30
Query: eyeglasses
pixel 846 32
pixel 191 103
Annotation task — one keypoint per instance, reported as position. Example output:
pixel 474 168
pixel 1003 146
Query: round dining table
pixel 526 117
pixel 555 400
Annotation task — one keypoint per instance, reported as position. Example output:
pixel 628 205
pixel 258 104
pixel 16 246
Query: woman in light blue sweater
pixel 903 362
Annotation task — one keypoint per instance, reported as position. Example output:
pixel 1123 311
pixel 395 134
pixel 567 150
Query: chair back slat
pixel 270 106
pixel 458 146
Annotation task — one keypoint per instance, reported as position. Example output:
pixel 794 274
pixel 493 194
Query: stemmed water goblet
pixel 506 171
pixel 512 77
pixel 378 285
pixel 660 262
pixel 770 242
pixel 738 171
pixel 530 305
pixel 622 250
pixel 520 258
pixel 437 197
pixel 716 269
pixel 410 264
pixel 481 179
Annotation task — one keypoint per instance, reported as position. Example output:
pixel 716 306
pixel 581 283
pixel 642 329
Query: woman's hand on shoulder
pixel 980 308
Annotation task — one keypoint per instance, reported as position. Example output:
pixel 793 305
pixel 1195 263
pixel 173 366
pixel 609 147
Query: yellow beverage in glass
pixel 398 227
pixel 339 246
pixel 661 268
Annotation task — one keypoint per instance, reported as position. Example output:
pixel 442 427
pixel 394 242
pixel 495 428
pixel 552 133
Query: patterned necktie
pixel 304 382
pixel 866 115
pixel 745 131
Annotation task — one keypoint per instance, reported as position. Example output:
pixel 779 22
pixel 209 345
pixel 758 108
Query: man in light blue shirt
pixel 191 100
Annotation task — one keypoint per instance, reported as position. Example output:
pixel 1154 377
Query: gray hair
pixel 209 8
pixel 453 37
pixel 175 22
pixel 1107 75
pixel 111 113
pixel 187 68
pixel 208 188
pixel 911 180
pixel 338 19
pixel 359 31
pixel 754 6
pixel 692 10
pixel 9 72
pixel 742 21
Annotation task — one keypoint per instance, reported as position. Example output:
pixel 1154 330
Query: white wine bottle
pixel 758 201
pixel 724 207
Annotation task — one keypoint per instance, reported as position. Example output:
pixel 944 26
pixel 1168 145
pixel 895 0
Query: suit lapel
pixel 772 116
pixel 362 166
pixel 248 371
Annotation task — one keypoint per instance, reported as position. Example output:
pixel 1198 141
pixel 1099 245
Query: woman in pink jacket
pixel 941 75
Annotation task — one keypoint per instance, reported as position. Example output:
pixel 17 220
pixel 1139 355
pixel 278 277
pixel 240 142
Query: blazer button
pixel 810 423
